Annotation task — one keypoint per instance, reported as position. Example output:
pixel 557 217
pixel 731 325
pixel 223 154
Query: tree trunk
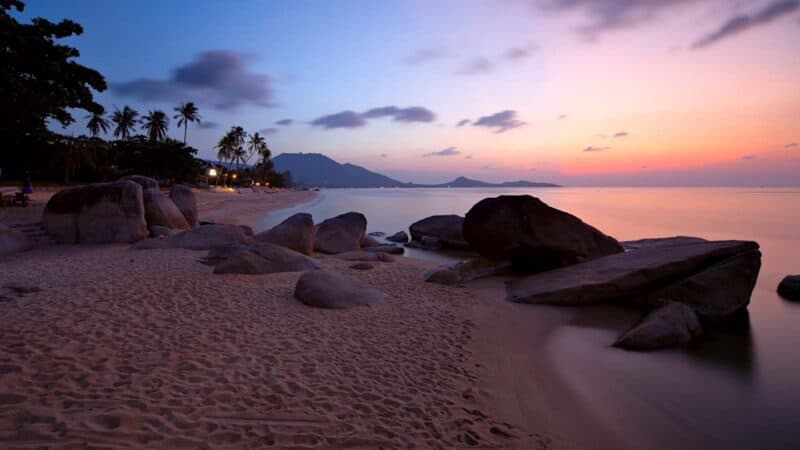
pixel 185 129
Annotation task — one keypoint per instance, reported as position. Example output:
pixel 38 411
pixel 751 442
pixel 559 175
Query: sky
pixel 577 92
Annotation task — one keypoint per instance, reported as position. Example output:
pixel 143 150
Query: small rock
pixel 670 325
pixel 369 241
pixel 390 249
pixel 362 266
pixel 789 288
pixel 377 233
pixel 325 289
pixel 400 237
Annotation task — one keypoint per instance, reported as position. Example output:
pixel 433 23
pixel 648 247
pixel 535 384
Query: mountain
pixel 314 169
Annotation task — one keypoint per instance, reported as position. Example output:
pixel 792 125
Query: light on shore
pixel 212 172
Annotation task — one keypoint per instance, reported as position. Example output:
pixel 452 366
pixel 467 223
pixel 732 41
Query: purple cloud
pixel 344 119
pixel 792 145
pixel 410 114
pixel 748 157
pixel 384 155
pixel 463 122
pixel 449 151
pixel 269 131
pixel 285 122
pixel 520 53
pixel 500 122
pixel 562 116
pixel 491 168
pixel 220 77
pixel 425 55
pixel 621 134
pixel 745 22
pixel 596 149
pixel 476 66
pixel 468 157
pixel 208 125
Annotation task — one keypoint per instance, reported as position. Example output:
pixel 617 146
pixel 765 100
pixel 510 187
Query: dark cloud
pixel 461 123
pixel 344 119
pixel 476 66
pixel 449 151
pixel 426 55
pixel 748 157
pixel 268 131
pixel 562 116
pixel 410 114
pixel 208 125
pixel 621 134
pixel 792 145
pixel 384 155
pixel 285 122
pixel 220 77
pixel 596 149
pixel 744 22
pixel 500 122
pixel 520 53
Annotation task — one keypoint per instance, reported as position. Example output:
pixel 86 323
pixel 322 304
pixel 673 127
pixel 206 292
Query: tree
pixel 96 123
pixel 39 81
pixel 125 121
pixel 155 123
pixel 187 112
pixel 257 146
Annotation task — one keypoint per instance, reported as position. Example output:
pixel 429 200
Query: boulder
pixel 99 213
pixel 160 210
pixel 633 274
pixel 446 229
pixel 296 233
pixel 464 271
pixel 362 266
pixel 259 258
pixel 669 325
pixel 340 234
pixel 365 256
pixel 325 289
pixel 533 235
pixel 400 237
pixel 789 288
pixel 185 200
pixel 368 241
pixel 390 249
pixel 201 238
pixel 426 243
pixel 141 180
pixel 161 231
pixel 12 241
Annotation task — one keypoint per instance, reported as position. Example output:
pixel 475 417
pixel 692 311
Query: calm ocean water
pixel 737 388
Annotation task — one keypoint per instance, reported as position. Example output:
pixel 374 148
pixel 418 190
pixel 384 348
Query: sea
pixel 738 387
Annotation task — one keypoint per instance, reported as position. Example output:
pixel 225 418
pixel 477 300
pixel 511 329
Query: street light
pixel 212 172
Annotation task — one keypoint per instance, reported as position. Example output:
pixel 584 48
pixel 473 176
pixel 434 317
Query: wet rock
pixel 365 256
pixel 667 326
pixel 465 271
pixel 325 289
pixel 445 229
pixel 369 241
pixel 296 233
pixel 390 249
pixel 789 288
pixel 377 233
pixel 340 234
pixel 399 237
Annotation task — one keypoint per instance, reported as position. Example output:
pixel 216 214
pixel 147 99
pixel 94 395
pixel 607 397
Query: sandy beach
pixel 106 346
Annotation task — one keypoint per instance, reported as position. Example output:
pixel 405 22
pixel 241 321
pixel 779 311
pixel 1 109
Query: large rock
pixel 368 241
pixel 185 200
pixel 96 214
pixel 533 235
pixel 446 229
pixel 464 271
pixel 660 242
pixel 296 233
pixel 12 241
pixel 361 255
pixel 160 210
pixel 390 249
pixel 259 258
pixel 633 274
pixel 342 233
pixel 789 288
pixel 667 326
pixel 400 237
pixel 325 289
pixel 201 238
pixel 141 180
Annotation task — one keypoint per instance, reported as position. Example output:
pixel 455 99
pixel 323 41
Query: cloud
pixel 476 66
pixel 596 149
pixel 748 157
pixel 426 55
pixel 744 22
pixel 344 119
pixel 220 77
pixel 609 15
pixel 502 121
pixel 491 168
pixel 463 122
pixel 449 151
pixel 268 131
pixel 208 125
pixel 792 145
pixel 384 155
pixel 562 116
pixel 520 53
pixel 285 122
pixel 410 114
pixel 468 157
pixel 621 134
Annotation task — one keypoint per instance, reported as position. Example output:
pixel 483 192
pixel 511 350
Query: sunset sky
pixel 580 92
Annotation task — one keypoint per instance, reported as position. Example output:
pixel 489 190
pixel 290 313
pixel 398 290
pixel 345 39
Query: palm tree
pixel 155 123
pixel 125 121
pixel 187 112
pixel 257 145
pixel 96 123
pixel 231 146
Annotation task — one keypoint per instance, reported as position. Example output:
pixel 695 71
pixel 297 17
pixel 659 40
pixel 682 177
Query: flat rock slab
pixel 204 237
pixel 325 289
pixel 667 326
pixel 623 275
pixel 365 256
pixel 660 242
pixel 260 258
